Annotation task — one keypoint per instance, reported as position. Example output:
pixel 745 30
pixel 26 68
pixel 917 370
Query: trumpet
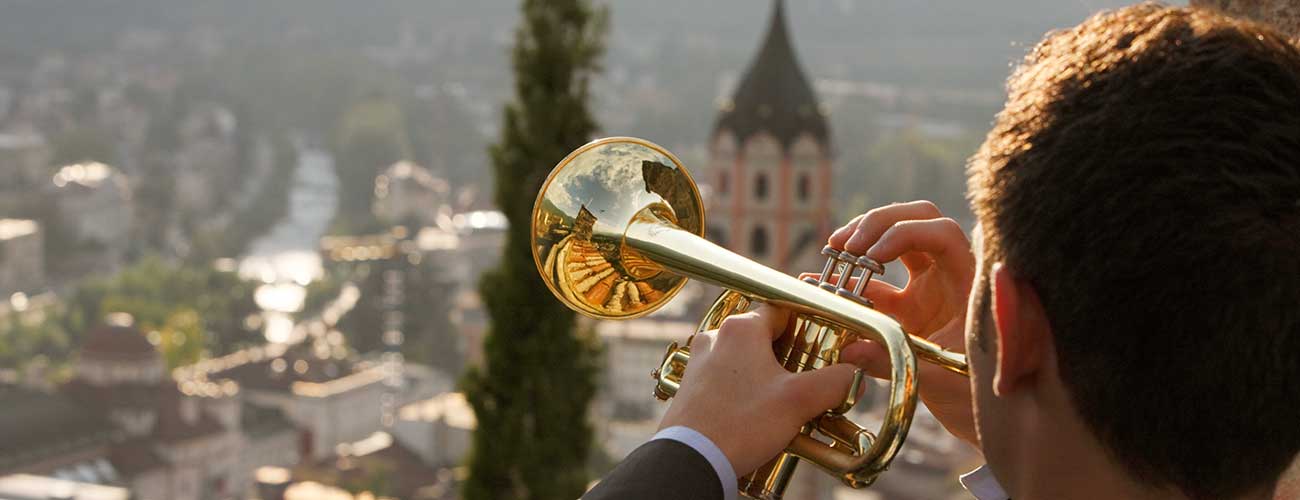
pixel 617 230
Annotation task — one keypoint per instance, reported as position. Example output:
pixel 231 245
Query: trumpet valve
pixel 838 274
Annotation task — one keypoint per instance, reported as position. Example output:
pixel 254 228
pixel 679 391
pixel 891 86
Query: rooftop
pixel 29 487
pixel 408 171
pixel 17 228
pixel 36 425
pixel 273 367
pixel 774 96
pixel 451 407
pixel 117 339
pixel 257 421
pixel 90 174
pixel 11 140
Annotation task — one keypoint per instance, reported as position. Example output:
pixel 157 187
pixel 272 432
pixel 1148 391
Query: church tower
pixel 770 161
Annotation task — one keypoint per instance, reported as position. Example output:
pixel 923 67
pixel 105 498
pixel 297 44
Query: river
pixel 286 259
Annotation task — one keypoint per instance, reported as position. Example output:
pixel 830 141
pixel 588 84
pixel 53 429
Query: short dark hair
pixel 1144 178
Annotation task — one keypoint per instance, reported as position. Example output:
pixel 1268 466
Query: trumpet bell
pixel 583 211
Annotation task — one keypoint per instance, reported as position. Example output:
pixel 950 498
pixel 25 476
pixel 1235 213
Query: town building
pixel 629 412
pixel 123 421
pixel 30 487
pixel 22 257
pixel 326 393
pixel 770 161
pixel 95 201
pixel 24 160
pixel 439 429
pixel 408 193
pixel 205 157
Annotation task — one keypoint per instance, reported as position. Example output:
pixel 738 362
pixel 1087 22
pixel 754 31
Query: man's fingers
pixel 941 239
pixel 869 356
pixel 774 319
pixel 813 392
pixel 701 343
pixel 841 235
pixel 875 222
pixel 767 320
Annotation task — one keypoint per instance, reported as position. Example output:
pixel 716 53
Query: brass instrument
pixel 616 231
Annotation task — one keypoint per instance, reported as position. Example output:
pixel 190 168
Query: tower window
pixel 723 179
pixel 760 186
pixel 804 188
pixel 717 235
pixel 758 241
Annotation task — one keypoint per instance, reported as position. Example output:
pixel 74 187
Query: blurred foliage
pixel 32 337
pixel 320 293
pixel 531 395
pixel 181 337
pixel 83 144
pixel 901 165
pixel 155 205
pixel 196 309
pixel 369 138
pixel 267 207
pixel 296 87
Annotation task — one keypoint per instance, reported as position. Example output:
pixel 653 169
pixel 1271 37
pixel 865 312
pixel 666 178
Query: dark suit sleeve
pixel 659 469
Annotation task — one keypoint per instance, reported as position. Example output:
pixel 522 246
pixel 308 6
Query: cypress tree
pixel 532 392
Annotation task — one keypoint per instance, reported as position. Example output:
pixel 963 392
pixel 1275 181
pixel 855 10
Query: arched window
pixel 760 186
pixel 723 181
pixel 758 241
pixel 804 188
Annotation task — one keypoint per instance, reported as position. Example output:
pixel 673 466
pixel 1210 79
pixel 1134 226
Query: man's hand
pixel 940 268
pixel 735 393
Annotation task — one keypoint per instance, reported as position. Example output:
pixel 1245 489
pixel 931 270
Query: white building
pixel 331 398
pixel 95 199
pixel 22 257
pixel 206 157
pixel 634 348
pixel 408 192
pixel 24 160
pixel 438 429
pixel 30 487
pixel 626 410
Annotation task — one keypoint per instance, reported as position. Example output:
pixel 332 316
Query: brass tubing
pixel 689 255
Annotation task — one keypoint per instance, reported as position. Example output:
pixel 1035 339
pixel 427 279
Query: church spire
pixel 775 96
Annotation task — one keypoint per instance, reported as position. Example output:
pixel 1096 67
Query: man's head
pixel 1141 191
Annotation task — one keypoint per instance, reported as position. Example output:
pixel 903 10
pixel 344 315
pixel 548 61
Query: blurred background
pixel 241 241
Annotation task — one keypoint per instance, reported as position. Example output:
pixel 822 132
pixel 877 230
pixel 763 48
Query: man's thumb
pixel 816 391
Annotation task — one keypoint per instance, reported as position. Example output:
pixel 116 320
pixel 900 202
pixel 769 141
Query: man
pixel 1133 328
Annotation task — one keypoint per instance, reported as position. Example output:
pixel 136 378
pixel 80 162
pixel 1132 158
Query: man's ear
pixel 1022 330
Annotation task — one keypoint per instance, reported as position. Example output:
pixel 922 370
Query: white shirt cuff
pixel 981 483
pixel 703 445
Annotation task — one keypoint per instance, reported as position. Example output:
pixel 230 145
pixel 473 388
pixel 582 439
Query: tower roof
pixel 775 95
pixel 117 342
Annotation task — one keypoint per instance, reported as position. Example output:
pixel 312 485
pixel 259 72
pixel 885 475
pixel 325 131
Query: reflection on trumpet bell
pixel 583 273
pixel 584 209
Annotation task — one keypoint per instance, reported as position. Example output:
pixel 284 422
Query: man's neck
pixel 1060 459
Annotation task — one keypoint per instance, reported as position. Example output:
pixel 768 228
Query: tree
pixel 371 136
pixel 531 394
pixel 83 144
